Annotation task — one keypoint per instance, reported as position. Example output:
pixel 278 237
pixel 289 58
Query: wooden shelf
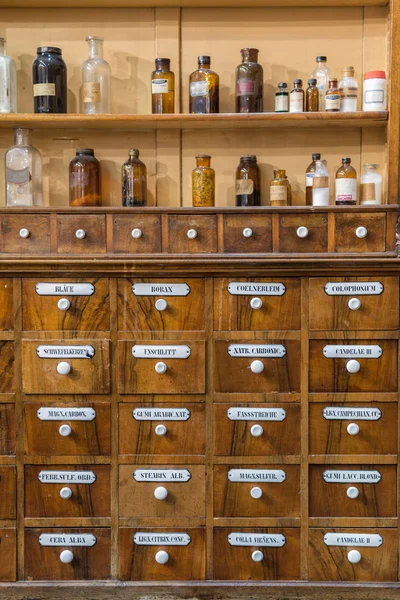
pixel 184 3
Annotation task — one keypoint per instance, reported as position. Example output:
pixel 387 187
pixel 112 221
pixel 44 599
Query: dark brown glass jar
pixel 248 189
pixel 134 180
pixel 84 179
pixel 312 96
pixel 162 88
pixel 204 88
pixel 249 83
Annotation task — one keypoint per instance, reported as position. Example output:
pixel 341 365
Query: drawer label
pixel 61 414
pixel 348 413
pixel 140 351
pixel 143 538
pixel 67 477
pixel 241 288
pixel 158 475
pixel 332 476
pixel 349 288
pixel 256 350
pixel 160 289
pixel 351 351
pixel 161 414
pixel 67 539
pixel 236 413
pixel 264 540
pixel 353 539
pixel 64 289
pixel 267 475
pixel 65 351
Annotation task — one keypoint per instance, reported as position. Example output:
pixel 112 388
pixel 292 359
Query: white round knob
pixel 257 556
pixel 192 234
pixel 247 232
pixel 65 430
pixel 24 233
pixel 352 429
pixel 361 232
pixel 80 234
pixel 161 304
pixel 354 304
pixel 160 429
pixel 162 557
pixel 63 304
pixel 66 556
pixel 302 232
pixel 353 366
pixel 137 233
pixel 257 366
pixel 63 368
pixel 256 493
pixel 160 367
pixel 256 303
pixel 160 493
pixel 66 493
pixel 256 430
pixel 352 492
pixel 354 556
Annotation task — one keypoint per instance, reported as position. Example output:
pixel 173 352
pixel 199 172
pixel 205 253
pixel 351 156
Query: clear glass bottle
pixel 203 182
pixel 23 176
pixel 248 189
pixel 312 96
pixel 84 179
pixel 371 186
pixel 249 83
pixel 8 81
pixel 162 88
pixel 282 98
pixel 348 88
pixel 279 190
pixel 297 97
pixel 309 177
pixel 332 96
pixel 95 92
pixel 346 184
pixel 322 74
pixel 134 180
pixel 204 88
pixel 49 76
pixel 320 184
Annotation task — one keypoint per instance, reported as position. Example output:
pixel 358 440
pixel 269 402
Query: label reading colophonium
pixel 91 92
pixel 44 89
pixel 346 190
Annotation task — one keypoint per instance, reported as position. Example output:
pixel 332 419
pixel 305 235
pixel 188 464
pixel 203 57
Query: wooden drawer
pixel 88 312
pixel 234 301
pixel 137 561
pixel 7 430
pixel 331 563
pixel 87 375
pixel 183 375
pixel 8 493
pixel 314 226
pixel 160 308
pixel 6 304
pixel 206 234
pixel 185 485
pixel 94 240
pixel 332 375
pixel 251 430
pixel 235 562
pixel 331 498
pixel 280 498
pixel 354 303
pixel 36 240
pixel 333 429
pixel 89 484
pixel 137 234
pixel 233 373
pixel 89 562
pixel 168 429
pixel 238 238
pixel 8 554
pixel 7 380
pixel 346 226
pixel 47 426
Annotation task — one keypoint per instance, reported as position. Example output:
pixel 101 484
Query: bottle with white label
pixel 279 189
pixel 162 88
pixel 296 103
pixel 346 184
pixel 282 98
pixel 8 81
pixel 49 76
pixel 95 92
pixel 309 177
pixel 23 172
pixel 375 91
pixel 320 184
pixel 371 186
pixel 332 96
pixel 348 88
pixel 322 74
pixel 204 88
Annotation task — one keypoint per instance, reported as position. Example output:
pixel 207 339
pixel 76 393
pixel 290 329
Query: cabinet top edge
pixel 184 210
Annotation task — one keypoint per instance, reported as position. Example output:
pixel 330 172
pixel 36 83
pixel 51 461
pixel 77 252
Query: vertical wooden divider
pixel 304 427
pixel 19 457
pixel 393 128
pixel 209 292
pixel 114 400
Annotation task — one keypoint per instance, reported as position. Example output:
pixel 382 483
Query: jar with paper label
pixel 204 88
pixel 49 76
pixel 309 177
pixel 297 97
pixel 282 98
pixel 279 192
pixel 84 179
pixel 248 189
pixel 371 186
pixel 375 91
pixel 95 92
pixel 249 83
pixel 348 88
pixel 134 180
pixel 332 97
pixel 162 88
pixel 312 96
pixel 23 175
pixel 346 184
pixel 320 184
pixel 203 182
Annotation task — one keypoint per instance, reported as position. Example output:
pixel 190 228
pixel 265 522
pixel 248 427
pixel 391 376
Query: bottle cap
pixel 346 161
pixel 298 81
pixel 88 151
pixel 283 85
pixel 280 173
pixel 316 156
pixel 312 82
pixel 332 80
pixel 321 59
pixel 133 152
pixel 203 156
pixel 375 75
pixel 204 60
pixel 49 49
pixel 163 60
pixel 249 157
pixel 249 50
pixel 94 37
pixel 349 70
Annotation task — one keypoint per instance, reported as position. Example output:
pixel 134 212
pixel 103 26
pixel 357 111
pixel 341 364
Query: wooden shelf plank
pixel 184 3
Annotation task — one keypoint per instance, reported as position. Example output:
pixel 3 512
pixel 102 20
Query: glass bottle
pixel 348 88
pixel 162 88
pixel 309 177
pixel 203 182
pixel 8 81
pixel 84 179
pixel 346 184
pixel 279 188
pixel 95 92
pixel 332 97
pixel 249 83
pixel 134 180
pixel 23 175
pixel 371 186
pixel 297 97
pixel 204 88
pixel 322 74
pixel 312 96
pixel 282 98
pixel 248 189
pixel 49 76
pixel 320 184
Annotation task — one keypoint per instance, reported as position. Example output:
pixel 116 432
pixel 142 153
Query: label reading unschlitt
pixel 159 86
pixel 346 190
pixel 140 351
pixel 244 186
pixel 44 89
pixel 91 92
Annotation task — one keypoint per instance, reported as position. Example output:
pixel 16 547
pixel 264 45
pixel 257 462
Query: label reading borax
pixel 160 289
pixel 64 289
pixel 350 288
pixel 348 413
pixel 161 414
pixel 256 350
pixel 65 351
pixel 237 413
pixel 67 539
pixel 333 476
pixel 160 475
pixel 372 540
pixel 241 288
pixel 143 538
pixel 333 351
pixel 53 413
pixel 260 475
pixel 86 477
pixel 263 540
pixel 140 351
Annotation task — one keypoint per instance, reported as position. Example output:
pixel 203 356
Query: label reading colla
pixel 352 351
pixel 67 539
pixel 62 414
pixel 353 539
pixel 161 414
pixel 86 477
pixel 159 475
pixel 143 538
pixel 236 413
pixel 349 288
pixel 64 289
pixel 263 540
pixel 331 476
pixel 140 351
pixel 65 351
pixel 238 288
pixel 160 289
pixel 266 475
pixel 256 350
pixel 348 413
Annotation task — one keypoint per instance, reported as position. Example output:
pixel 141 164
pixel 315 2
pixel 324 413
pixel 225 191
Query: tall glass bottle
pixel 348 88
pixel 249 83
pixel 248 189
pixel 84 179
pixel 310 171
pixel 95 92
pixel 203 182
pixel 322 74
pixel 204 88
pixel 49 76
pixel 346 184
pixel 23 175
pixel 134 180
pixel 320 184
pixel 162 88
pixel 8 81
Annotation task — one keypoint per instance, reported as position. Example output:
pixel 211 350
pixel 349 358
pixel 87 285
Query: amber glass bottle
pixel 162 88
pixel 279 189
pixel 248 191
pixel 309 178
pixel 249 83
pixel 332 97
pixel 312 96
pixel 203 182
pixel 134 180
pixel 346 184
pixel 84 179
pixel 204 88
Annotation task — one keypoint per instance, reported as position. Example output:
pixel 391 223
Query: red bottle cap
pixel 375 75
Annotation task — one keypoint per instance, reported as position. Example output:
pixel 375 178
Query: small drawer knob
pixel 24 233
pixel 66 556
pixel 257 556
pixel 353 366
pixel 256 303
pixel 160 493
pixel 80 234
pixel 361 232
pixel 353 428
pixel 256 430
pixel 63 368
pixel 63 304
pixel 256 493
pixel 137 233
pixel 162 557
pixel 354 556
pixel 352 492
pixel 161 304
pixel 257 366
pixel 354 304
pixel 247 232
pixel 65 493
pixel 160 367
pixel 65 430
pixel 160 429
pixel 192 234
pixel 302 232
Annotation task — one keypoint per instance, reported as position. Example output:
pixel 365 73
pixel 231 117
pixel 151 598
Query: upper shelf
pixel 184 3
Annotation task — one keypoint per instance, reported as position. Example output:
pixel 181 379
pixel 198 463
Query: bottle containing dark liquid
pixel 49 76
pixel 84 179
pixel 248 192
pixel 134 180
pixel 249 83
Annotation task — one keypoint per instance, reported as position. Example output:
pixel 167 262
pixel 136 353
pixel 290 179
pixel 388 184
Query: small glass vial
pixel 8 81
pixel 320 184
pixel 297 97
pixel 309 177
pixel 371 186
pixel 203 182
pixel 84 179
pixel 23 174
pixel 312 96
pixel 346 184
pixel 134 180
pixel 248 189
pixel 204 88
pixel 49 76
pixel 282 98
pixel 95 92
pixel 348 88
pixel 332 97
pixel 322 74
pixel 279 189
pixel 162 88
pixel 249 83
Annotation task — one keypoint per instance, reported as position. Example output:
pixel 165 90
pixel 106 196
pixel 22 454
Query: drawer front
pixel 251 430
pixel 25 234
pixel 86 499
pixel 331 563
pixel 353 428
pixel 7 379
pixel 277 499
pixel 86 375
pixel 239 308
pixel 94 240
pixel 137 234
pixel 236 562
pixel 137 562
pixel 88 562
pixel 7 430
pixel 234 374
pixel 331 499
pixel 67 429
pixel 8 493
pixel 168 429
pixel 61 310
pixel 247 233
pixel 185 494
pixel 8 554
pixel 332 374
pixel 351 303
pixel 182 375
pixel 292 227
pixel 6 304
pixel 205 228
pixel 160 308
pixel 346 229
